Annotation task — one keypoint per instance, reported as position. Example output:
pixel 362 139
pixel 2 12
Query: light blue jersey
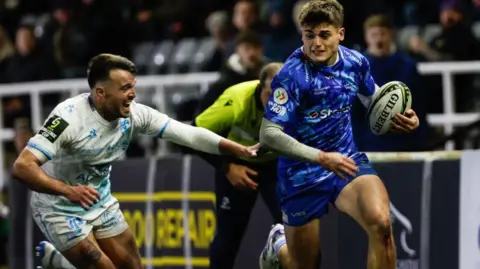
pixel 78 146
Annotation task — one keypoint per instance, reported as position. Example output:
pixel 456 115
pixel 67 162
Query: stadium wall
pixel 157 195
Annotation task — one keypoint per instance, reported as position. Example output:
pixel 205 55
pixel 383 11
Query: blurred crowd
pixel 54 39
pixel 57 37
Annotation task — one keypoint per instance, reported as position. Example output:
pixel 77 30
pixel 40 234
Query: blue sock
pixel 278 244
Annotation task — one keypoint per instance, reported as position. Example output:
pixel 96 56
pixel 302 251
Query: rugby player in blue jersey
pixel 307 120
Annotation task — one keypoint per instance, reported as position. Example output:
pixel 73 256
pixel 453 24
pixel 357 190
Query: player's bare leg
pixel 87 254
pixel 284 257
pixel 303 244
pixel 122 250
pixel 366 200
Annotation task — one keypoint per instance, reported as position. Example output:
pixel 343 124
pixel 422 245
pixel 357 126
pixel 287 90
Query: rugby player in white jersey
pixel 71 200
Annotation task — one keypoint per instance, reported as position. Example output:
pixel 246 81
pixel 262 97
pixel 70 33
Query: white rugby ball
pixel 392 98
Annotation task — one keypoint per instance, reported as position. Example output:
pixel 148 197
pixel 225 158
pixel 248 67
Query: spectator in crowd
pixel 69 44
pixel 456 42
pixel 30 63
pixel 281 38
pixel 163 18
pixel 7 50
pixel 105 25
pixel 245 17
pixel 243 65
pixel 217 26
pixel 476 10
pixel 387 64
pixel 446 46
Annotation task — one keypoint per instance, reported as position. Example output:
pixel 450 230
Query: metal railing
pixel 448 119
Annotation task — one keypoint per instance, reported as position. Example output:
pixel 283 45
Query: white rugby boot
pixel 269 258
pixel 45 253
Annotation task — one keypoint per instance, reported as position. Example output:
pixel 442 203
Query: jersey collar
pixel 97 116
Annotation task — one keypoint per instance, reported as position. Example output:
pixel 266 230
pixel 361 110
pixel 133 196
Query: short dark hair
pixel 316 12
pixel 100 66
pixel 248 37
pixel 378 20
pixel 269 71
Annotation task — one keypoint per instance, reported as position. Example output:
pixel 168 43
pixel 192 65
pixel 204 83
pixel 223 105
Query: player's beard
pixel 113 111
pixel 122 112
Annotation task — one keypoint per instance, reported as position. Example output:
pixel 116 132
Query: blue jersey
pixel 313 104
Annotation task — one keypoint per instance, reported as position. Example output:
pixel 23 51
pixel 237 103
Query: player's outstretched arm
pixel 152 122
pixel 204 140
pixel 273 137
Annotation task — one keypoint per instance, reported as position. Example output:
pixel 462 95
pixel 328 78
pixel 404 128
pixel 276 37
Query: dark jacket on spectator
pixel 34 66
pixel 400 68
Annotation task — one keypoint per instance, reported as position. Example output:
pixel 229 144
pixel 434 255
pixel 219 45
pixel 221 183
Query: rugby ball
pixel 392 98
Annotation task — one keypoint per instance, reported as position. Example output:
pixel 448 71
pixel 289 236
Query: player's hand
pixel 338 164
pixel 253 150
pixel 239 177
pixel 229 147
pixel 405 123
pixel 84 195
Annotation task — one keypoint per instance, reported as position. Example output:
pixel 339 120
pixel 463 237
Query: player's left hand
pixel 405 123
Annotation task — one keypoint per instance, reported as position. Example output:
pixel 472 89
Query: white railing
pixel 448 119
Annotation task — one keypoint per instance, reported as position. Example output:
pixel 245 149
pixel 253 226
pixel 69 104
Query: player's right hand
pixel 84 195
pixel 238 175
pixel 338 164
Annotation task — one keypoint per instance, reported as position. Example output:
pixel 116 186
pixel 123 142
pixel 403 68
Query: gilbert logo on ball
pixel 392 98
pixel 280 96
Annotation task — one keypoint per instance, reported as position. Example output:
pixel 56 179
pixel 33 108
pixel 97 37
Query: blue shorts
pixel 302 204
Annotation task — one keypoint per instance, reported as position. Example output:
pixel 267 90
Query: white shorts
pixel 64 231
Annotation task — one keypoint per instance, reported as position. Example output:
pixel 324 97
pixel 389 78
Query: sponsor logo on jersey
pixel 75 224
pixel 325 113
pixel 53 128
pixel 280 96
pixel 124 126
pixel 277 109
pixel 313 114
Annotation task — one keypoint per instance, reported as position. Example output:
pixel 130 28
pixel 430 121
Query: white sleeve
pixel 367 100
pixel 150 121
pixel 154 123
pixel 51 137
